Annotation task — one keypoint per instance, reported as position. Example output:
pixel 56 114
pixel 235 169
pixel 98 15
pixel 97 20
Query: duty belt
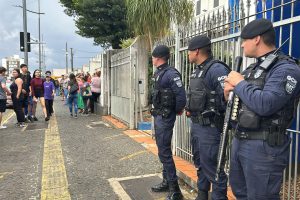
pixel 203 121
pixel 163 112
pixel 272 138
pixel 260 135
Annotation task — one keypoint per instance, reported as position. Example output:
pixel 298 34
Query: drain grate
pixel 140 188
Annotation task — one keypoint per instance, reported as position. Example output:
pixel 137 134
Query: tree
pixel 103 20
pixel 154 18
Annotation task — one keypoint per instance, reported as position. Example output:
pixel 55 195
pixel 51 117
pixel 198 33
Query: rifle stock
pixel 224 134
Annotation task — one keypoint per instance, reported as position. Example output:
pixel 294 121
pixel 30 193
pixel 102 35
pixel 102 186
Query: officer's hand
pixel 234 78
pixel 188 113
pixel 227 89
pixel 24 91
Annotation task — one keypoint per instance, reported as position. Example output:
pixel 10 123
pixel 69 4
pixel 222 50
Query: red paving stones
pixel 115 122
pixel 184 167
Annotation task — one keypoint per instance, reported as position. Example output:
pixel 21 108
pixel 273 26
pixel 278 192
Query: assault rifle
pixel 224 134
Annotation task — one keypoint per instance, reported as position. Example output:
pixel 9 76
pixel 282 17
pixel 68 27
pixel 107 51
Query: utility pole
pixel 25 32
pixel 67 70
pixel 40 53
pixel 72 67
pixel 43 56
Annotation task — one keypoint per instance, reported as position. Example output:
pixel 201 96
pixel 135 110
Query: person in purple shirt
pixel 49 95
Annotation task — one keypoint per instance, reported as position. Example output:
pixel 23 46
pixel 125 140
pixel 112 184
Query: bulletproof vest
pixel 200 98
pixel 277 122
pixel 162 98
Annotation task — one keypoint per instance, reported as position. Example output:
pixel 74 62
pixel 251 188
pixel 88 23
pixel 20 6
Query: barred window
pixel 216 3
pixel 198 7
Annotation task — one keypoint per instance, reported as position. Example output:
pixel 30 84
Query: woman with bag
pixel 86 94
pixel 96 90
pixel 17 97
pixel 73 95
pixel 79 101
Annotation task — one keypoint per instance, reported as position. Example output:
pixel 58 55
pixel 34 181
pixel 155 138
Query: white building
pixel 58 72
pixel 85 68
pixel 204 6
pixel 12 62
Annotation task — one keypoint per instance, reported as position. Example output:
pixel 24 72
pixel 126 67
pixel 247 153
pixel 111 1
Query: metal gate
pixel 129 74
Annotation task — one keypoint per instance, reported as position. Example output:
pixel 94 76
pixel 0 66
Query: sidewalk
pixel 185 169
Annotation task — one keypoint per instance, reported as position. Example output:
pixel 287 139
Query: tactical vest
pixel 200 98
pixel 163 99
pixel 204 103
pixel 277 122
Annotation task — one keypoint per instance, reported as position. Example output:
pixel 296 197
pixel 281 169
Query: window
pixel 216 3
pixel 198 7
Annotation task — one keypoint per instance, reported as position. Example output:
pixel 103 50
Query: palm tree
pixel 153 18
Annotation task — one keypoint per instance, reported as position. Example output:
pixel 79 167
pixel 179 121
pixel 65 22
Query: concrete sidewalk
pixel 185 169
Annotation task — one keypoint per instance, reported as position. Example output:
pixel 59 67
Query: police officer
pixel 206 108
pixel 268 92
pixel 168 99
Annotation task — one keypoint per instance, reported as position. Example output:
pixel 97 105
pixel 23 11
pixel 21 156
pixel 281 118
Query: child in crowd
pixel 49 91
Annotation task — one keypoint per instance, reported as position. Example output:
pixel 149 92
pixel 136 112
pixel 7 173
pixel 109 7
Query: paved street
pixel 69 158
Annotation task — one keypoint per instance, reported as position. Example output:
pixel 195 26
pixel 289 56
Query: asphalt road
pixel 68 158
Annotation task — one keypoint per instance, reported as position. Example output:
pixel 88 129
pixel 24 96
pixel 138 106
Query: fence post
pixel 177 66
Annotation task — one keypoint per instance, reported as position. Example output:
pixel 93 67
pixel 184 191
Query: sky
pixel 56 29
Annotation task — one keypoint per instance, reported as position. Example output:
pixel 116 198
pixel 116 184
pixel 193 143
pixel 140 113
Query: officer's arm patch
pixel 178 81
pixel 290 85
pixel 221 80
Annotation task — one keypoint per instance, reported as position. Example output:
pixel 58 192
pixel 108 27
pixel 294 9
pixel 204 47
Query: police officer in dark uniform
pixel 268 92
pixel 168 99
pixel 206 107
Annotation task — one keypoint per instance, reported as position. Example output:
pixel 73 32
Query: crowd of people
pixel 79 91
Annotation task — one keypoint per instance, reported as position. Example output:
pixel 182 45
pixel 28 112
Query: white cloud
pixel 56 28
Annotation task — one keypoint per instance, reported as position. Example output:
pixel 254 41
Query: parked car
pixel 9 103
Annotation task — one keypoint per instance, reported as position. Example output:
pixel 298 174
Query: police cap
pixel 256 27
pixel 161 51
pixel 198 42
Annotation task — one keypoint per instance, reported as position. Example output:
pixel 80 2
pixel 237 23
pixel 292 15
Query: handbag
pixel 87 92
pixel 74 88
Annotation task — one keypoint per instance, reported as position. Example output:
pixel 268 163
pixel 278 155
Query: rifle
pixel 224 134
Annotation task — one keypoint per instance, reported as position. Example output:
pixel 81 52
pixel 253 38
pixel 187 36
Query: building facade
pixel 12 62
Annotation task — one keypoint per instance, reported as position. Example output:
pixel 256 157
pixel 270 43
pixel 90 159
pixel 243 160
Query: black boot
pixel 162 187
pixel 202 195
pixel 174 193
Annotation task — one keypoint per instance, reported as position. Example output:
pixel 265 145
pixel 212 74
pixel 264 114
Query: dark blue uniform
pixel 168 77
pixel 257 164
pixel 206 138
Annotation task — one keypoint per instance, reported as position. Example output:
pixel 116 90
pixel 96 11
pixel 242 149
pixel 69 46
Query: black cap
pixel 198 42
pixel 161 51
pixel 256 27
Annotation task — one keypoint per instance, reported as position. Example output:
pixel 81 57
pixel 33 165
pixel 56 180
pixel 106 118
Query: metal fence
pixel 223 26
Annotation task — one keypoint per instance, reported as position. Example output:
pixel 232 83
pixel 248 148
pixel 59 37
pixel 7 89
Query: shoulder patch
pixel 221 79
pixel 290 85
pixel 176 78
pixel 178 81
